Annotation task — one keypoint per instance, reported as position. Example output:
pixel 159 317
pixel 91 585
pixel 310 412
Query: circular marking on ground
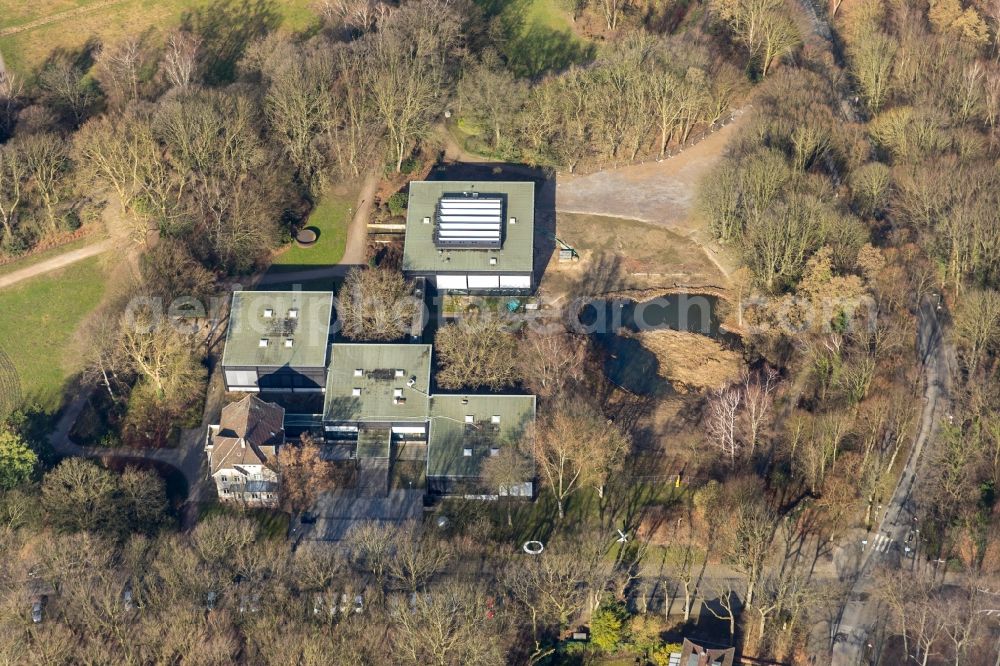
pixel 533 547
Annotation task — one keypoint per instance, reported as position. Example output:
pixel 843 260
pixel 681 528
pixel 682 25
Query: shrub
pixel 608 627
pixel 397 204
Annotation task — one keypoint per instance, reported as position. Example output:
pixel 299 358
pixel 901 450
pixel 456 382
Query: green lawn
pixel 39 257
pixel 331 218
pixel 150 19
pixel 540 36
pixel 38 320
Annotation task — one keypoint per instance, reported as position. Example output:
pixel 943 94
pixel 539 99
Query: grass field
pixel 540 36
pixel 71 24
pixel 37 325
pixel 38 257
pixel 331 218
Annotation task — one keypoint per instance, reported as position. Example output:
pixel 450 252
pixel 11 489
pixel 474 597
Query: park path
pixel 55 263
pixel 355 251
pixel 188 457
pixel 69 13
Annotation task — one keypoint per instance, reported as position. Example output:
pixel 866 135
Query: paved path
pixel 188 457
pixel 862 610
pixel 355 251
pixel 55 263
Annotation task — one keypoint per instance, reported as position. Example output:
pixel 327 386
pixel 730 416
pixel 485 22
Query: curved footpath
pixel 56 262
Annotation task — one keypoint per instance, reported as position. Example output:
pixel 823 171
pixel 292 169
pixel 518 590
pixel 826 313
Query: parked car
pixel 36 609
pixel 359 603
pixel 210 600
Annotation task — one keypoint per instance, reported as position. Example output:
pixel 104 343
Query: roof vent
pixel 469 418
pixel 427 220
pixel 493 261
pixel 467 452
pixel 262 343
pixel 512 220
pixel 397 393
pixel 495 419
pixel 355 392
pixel 399 373
pixel 268 313
pixel 358 372
pixel 293 313
pixel 289 342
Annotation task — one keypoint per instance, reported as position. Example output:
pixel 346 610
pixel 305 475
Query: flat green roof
pixel 370 396
pixel 302 317
pixel 420 254
pixel 450 433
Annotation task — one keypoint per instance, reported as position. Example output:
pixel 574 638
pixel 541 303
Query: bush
pixel 397 204
pixel 608 627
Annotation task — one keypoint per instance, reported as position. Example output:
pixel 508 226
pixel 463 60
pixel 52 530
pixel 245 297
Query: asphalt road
pixel 861 612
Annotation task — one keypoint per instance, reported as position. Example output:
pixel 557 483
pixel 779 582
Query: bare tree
pixel 505 470
pixel 46 163
pixel 612 11
pixel 723 419
pixel 446 627
pixel 303 473
pixel 67 89
pixel 416 558
pixel 123 154
pixel 576 445
pixel 180 59
pixel 727 592
pixel 13 182
pixel 377 304
pixel 547 362
pixel 11 91
pixel 476 352
pixel 757 391
pixel 118 69
pixel 763 26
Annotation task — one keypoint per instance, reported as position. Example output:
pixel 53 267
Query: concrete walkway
pixel 55 263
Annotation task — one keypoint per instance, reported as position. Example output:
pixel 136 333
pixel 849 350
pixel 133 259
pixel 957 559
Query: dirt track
pixel 661 193
pixel 55 263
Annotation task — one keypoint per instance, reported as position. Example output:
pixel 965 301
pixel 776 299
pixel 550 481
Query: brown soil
pixel 638 256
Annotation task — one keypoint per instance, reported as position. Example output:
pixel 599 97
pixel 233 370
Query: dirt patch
pixel 691 361
pixel 625 254
pixel 660 193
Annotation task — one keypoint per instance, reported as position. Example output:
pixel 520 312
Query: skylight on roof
pixel 469 221
pixel 262 343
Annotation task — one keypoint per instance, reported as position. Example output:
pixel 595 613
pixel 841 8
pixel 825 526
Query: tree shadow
pixel 226 27
pixel 534 50
pixel 541 50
